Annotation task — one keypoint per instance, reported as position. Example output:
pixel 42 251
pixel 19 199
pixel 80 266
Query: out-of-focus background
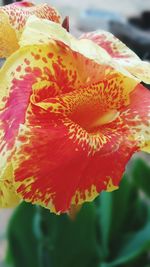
pixel 89 15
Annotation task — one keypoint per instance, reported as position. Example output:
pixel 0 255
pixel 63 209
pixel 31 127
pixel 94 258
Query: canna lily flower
pixel 72 115
pixel 13 18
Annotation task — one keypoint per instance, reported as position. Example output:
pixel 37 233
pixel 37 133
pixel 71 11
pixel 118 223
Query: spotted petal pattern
pixel 39 31
pixel 75 119
pixel 13 18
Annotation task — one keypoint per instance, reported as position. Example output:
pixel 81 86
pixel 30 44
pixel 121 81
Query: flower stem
pixel 43 238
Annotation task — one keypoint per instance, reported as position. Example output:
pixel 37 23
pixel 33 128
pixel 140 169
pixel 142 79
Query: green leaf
pixel 60 243
pixel 121 212
pixel 140 174
pixel 74 243
pixel 105 219
pixel 123 202
pixel 114 209
pixel 22 243
pixel 134 247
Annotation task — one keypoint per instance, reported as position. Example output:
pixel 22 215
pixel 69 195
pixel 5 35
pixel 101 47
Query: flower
pixel 72 115
pixel 13 18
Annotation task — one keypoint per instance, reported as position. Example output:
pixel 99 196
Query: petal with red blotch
pixel 56 159
pixel 16 85
pixel 104 170
pixel 128 133
pixel 121 54
pixel 18 76
pixel 8 195
pixel 22 4
pixel 13 18
pixel 47 165
pixel 111 44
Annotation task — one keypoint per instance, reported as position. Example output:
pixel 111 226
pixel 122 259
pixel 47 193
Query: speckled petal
pixel 136 117
pixel 121 54
pixel 13 18
pixel 57 163
pixel 15 90
pixel 46 165
pixel 128 133
pixel 71 144
pixel 39 31
pixel 52 67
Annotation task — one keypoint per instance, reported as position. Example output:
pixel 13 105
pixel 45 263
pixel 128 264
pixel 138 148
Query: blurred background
pixel 115 229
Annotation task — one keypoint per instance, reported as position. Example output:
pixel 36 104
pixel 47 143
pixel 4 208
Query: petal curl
pixel 13 18
pixel 39 31
pixel 121 54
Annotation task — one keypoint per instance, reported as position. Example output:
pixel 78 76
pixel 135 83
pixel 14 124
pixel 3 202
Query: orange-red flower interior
pixel 72 114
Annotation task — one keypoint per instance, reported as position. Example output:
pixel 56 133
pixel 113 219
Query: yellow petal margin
pixel 121 54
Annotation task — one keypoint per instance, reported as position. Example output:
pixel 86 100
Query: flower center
pixel 91 120
pixel 88 108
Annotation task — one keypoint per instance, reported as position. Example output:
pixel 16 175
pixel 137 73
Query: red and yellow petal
pixel 103 172
pixel 70 165
pixel 47 165
pixel 13 18
pixel 128 133
pixel 57 163
pixel 39 31
pixel 121 54
pixel 52 68
pixel 55 150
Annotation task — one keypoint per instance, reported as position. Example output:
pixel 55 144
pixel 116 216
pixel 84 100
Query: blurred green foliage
pixel 112 231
